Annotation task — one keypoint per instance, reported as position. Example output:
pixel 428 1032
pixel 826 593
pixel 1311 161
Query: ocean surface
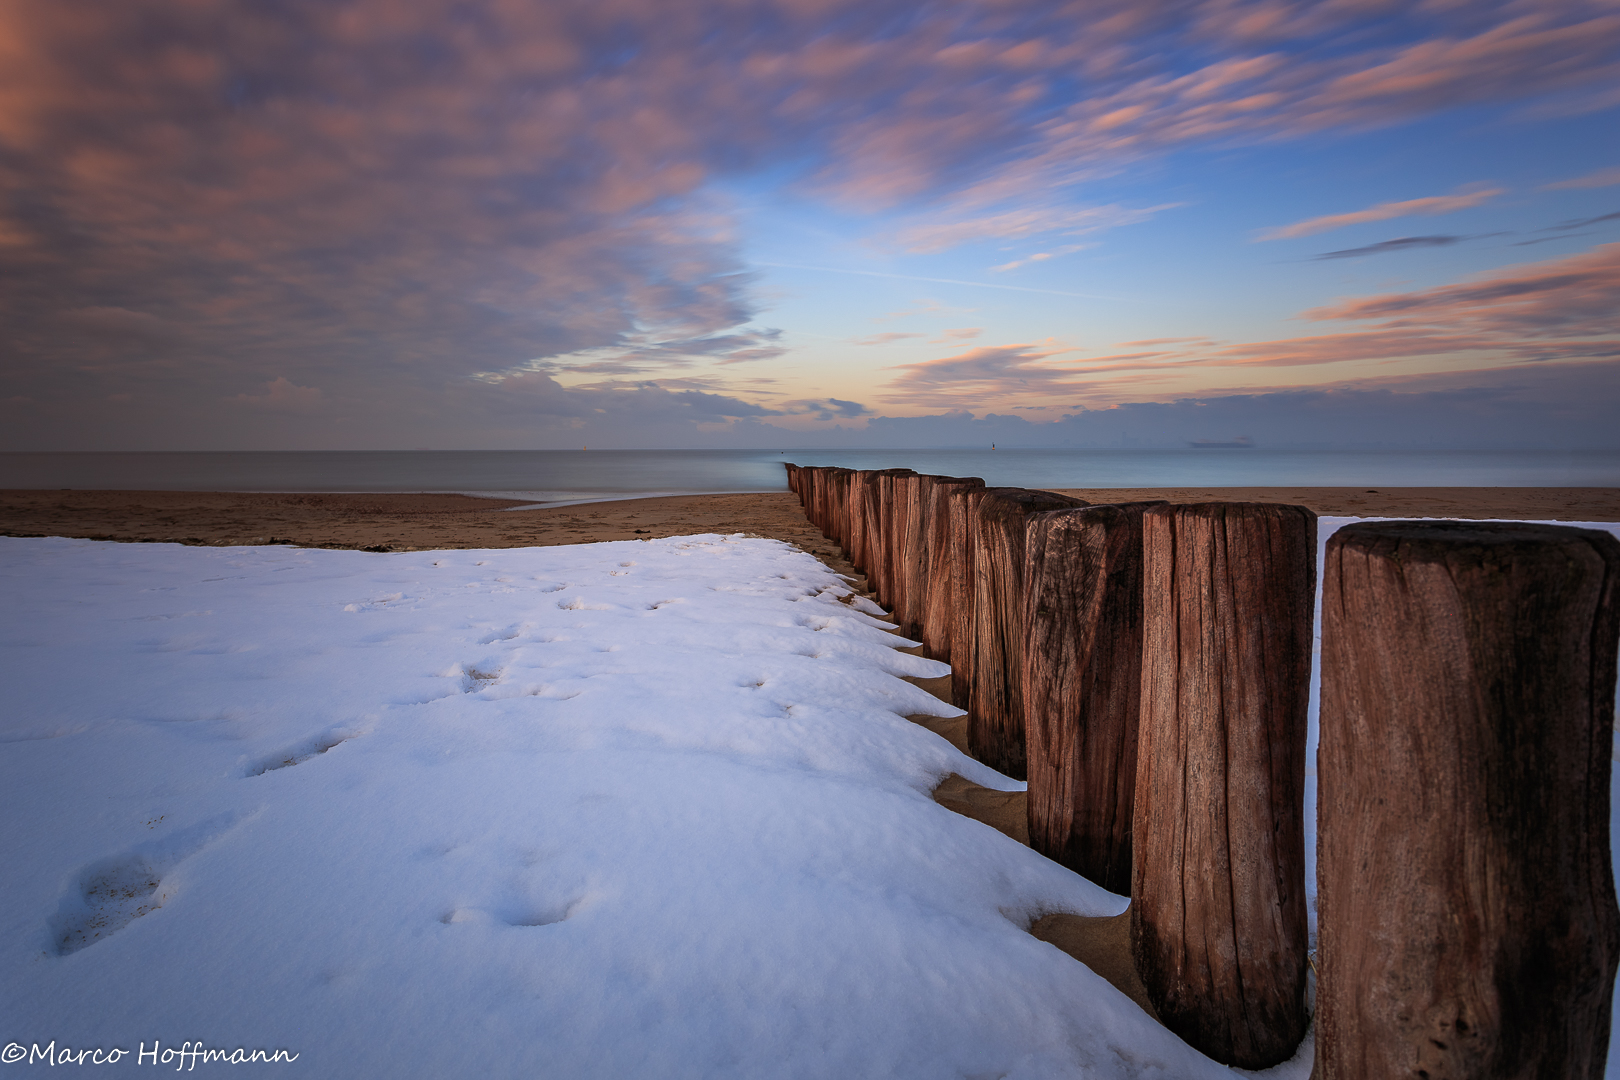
pixel 559 476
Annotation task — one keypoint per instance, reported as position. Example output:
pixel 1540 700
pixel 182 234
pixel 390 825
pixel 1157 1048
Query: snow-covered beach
pixel 642 808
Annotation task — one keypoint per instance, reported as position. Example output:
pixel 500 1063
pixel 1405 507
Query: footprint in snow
pixel 302 752
pixel 111 893
pixel 475 679
pixel 514 915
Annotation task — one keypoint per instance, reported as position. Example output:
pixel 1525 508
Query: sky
pixel 514 224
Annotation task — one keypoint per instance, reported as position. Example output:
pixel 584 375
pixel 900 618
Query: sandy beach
pixel 406 522
pixel 413 522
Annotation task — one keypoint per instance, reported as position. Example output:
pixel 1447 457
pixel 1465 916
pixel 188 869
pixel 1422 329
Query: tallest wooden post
pixel 1468 925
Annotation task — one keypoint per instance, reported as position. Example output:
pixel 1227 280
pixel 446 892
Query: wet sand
pixel 390 522
pixel 404 522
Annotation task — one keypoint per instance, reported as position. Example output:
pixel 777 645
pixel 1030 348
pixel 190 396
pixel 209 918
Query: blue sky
pixel 490 224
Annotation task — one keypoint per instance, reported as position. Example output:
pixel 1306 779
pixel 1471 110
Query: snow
pixel 647 808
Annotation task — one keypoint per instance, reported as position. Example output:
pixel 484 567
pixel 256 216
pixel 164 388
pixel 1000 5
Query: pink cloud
pixel 1601 178
pixel 385 200
pixel 884 339
pixel 1577 296
pixel 1560 310
pixel 1434 204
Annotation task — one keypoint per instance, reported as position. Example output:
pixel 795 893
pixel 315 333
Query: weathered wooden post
pixel 896 540
pixel 859 480
pixel 793 479
pixel 807 482
pixel 943 566
pixel 1218 919
pixel 872 527
pixel 996 701
pixel 883 516
pixel 838 504
pixel 1083 685
pixel 913 550
pixel 964 544
pixel 917 556
pixel 1467 924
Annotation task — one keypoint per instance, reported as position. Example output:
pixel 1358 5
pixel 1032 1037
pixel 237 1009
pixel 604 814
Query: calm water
pixel 578 475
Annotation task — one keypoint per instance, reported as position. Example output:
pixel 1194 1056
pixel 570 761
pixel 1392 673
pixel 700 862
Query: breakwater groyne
pixel 1146 667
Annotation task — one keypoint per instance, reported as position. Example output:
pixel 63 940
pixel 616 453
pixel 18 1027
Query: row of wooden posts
pixel 1146 666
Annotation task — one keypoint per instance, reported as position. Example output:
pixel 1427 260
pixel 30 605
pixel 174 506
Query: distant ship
pixel 1241 442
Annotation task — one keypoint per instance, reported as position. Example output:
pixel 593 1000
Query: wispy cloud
pixel 936 280
pixel 968 378
pixel 1581 223
pixel 884 339
pixel 1434 204
pixel 1564 229
pixel 1405 243
pixel 1560 310
pixel 1548 239
pixel 1578 296
pixel 937 233
pixel 830 409
pixel 1601 178
pixel 1041 256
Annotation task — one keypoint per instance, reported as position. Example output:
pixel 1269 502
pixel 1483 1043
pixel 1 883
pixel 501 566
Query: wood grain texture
pixel 872 516
pixel 882 526
pixel 1083 686
pixel 1218 925
pixel 915 558
pixel 838 505
pixel 855 549
pixel 816 475
pixel 1467 918
pixel 996 696
pixel 964 534
pixel 944 566
pixel 900 539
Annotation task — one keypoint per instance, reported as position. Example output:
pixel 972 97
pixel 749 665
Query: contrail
pixel 940 280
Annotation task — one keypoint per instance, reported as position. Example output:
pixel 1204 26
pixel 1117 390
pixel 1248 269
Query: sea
pixel 557 477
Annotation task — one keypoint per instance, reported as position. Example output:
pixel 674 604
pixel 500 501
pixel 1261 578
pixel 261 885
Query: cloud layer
pixel 365 220
pixel 1562 309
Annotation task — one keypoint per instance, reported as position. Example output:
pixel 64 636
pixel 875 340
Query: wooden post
pixel 964 545
pixel 838 504
pixel 939 591
pixel 872 529
pixel 1083 686
pixel 881 537
pixel 912 550
pixel 1467 917
pixel 896 541
pixel 859 481
pixel 793 479
pixel 807 482
pixel 1218 921
pixel 996 700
